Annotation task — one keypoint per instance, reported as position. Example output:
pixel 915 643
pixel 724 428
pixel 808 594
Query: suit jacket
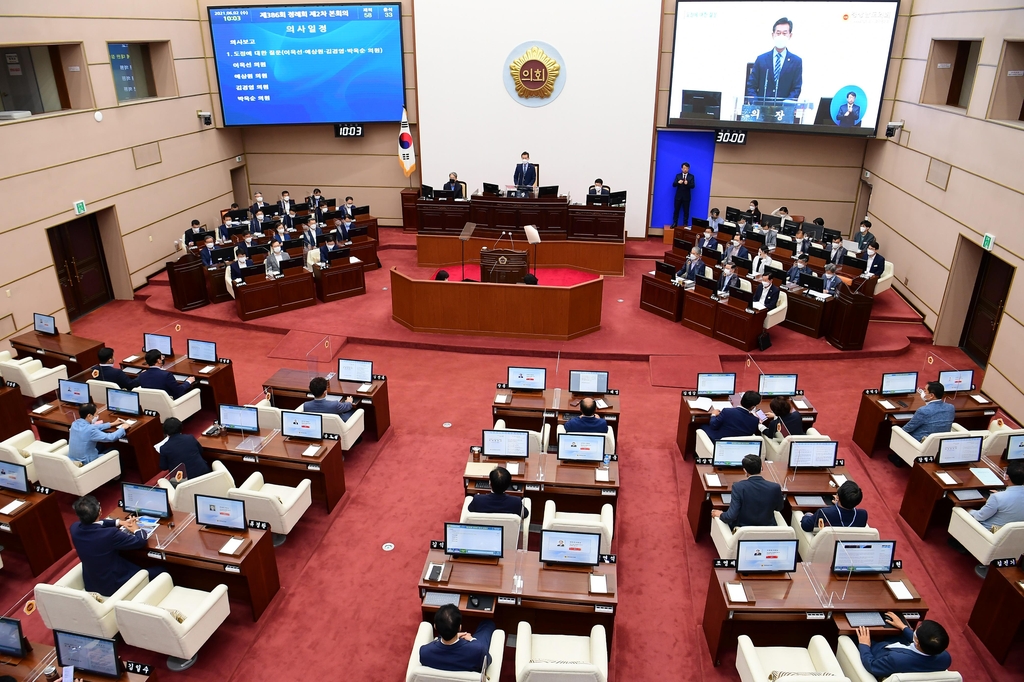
pixel 731 423
pixel 882 662
pixel 863 239
pixel 462 655
pixel 155 377
pixel 724 283
pixel 256 227
pixel 341 408
pixel 604 190
pixel 877 265
pixel 316 201
pixel 455 187
pixel 348 210
pixel 934 417
pixel 242 247
pixel 98 545
pixel 847 119
pixel 283 206
pixel 273 262
pixel 527 178
pixel 342 231
pixel 832 284
pixel 802 245
pixel 256 207
pixel 837 255
pixel 498 503
pixel 223 233
pixel 116 376
pixel 795 272
pixel 581 424
pixel 324 250
pixel 683 191
pixel 761 82
pixel 184 449
pixel 711 243
pixel 192 236
pixel 207 256
pixel 754 503
pixel 771 300
pixel 236 272
pixel 309 237
pixel 793 421
pixel 756 213
pixel 691 269
pixel 289 221
pixel 733 251
pixel 771 238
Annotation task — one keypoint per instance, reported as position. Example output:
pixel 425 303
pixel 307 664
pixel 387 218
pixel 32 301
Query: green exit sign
pixel 988 241
pixel 79 207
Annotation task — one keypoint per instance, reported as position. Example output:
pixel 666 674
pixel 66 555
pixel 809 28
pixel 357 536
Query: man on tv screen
pixel 778 73
pixel 849 113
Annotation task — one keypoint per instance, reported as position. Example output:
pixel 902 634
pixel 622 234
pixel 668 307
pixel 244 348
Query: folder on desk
pixel 207 369
pixel 736 593
pixel 478 469
pixel 986 476
pixel 946 478
pixel 899 590
pixel 700 403
pixel 713 480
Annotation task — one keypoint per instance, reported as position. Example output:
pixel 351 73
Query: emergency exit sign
pixel 79 207
pixel 988 241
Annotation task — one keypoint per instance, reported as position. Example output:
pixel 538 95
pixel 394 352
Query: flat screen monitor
pixel 598 199
pixel 253 270
pixel 547 191
pixel 305 425
pixel 898 383
pixel 776 274
pixel 202 351
pixel 709 284
pixel 426 191
pixel 571 549
pixel 777 384
pixel 957 379
pixel 473 540
pixel 158 342
pixel 527 378
pixel 732 213
pixel 44 324
pixel 1015 447
pixel 815 454
pixel 963 450
pixel 239 418
pixel 13 477
pixel 506 444
pixel 699 223
pixel 355 370
pixel 87 654
pixel 829 235
pixel 146 500
pixel 74 392
pixel 617 198
pixel 490 188
pixel 823 254
pixel 730 453
pixel 223 255
pixel 766 556
pixel 12 641
pixel 588 382
pixel 809 280
pixel 292 263
pixel 665 268
pixel 728 228
pixel 856 263
pixel 355 50
pixel 860 556
pixel 722 383
pixel 579 447
pixel 123 402
pixel 444 194
pixel 220 512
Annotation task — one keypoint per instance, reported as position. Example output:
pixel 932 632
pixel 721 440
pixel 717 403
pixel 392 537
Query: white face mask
pixel 693 256
pixel 735 242
pixel 248 240
pixel 707 236
pixel 285 198
pixel 277 249
pixel 863 229
pixel 781 42
pixel 752 207
pixel 241 259
pixel 871 252
pixel 259 200
pixel 259 217
pixel 209 245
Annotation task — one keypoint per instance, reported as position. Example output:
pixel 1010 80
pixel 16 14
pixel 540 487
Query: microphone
pixel 511 240
pixel 499 239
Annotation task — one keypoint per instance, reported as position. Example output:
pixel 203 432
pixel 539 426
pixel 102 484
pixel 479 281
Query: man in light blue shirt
pixel 87 431
pixel 935 416
pixel 1006 506
pixel 714 220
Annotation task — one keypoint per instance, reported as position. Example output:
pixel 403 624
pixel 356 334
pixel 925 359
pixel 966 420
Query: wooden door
pixel 81 266
pixel 990 292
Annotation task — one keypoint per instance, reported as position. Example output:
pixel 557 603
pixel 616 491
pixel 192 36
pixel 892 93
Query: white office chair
pixel 996 437
pixel 217 483
pixel 32 378
pixel 909 448
pixel 268 416
pixel 820 547
pixel 983 544
pixel 279 505
pixel 777 449
pixel 157 400
pixel 609 438
pixel 757 663
pixel 56 470
pixel 7 356
pixel 885 280
pixel 98 390
pixel 350 430
pixel 65 605
pixel 777 315
pixel 603 523
pixel 546 658
pixel 151 620
pixel 417 672
pixel 706 447
pixel 229 283
pixel 19 448
pixel 777 264
pixel 725 538
pixel 745 284
pixel 312 257
pixel 539 440
pixel 848 655
pixel 511 523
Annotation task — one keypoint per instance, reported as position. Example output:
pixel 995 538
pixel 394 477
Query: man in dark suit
pixel 799 268
pixel 801 243
pixel 206 253
pixel 838 251
pixel 320 404
pixel 157 377
pixel 734 421
pixel 224 231
pixel 285 203
pixel 736 249
pixel 242 260
pixel 684 184
pixel 708 241
pixel 245 243
pixel 754 500
pixel 525 175
pixel 728 279
pixel 258 204
pixel 453 185
pixel 742 227
pixel 781 412
pixel 342 227
pixel 849 113
pixel 329 245
pixel 831 281
pixel 778 73
pixel 497 502
pixel 453 649
pixel 588 421
pixel 106 371
pixel 310 231
pixel 599 188
pixel 256 224
pixel 766 294
pixel 692 267
pixel 349 208
pixel 876 263
pixel 290 220
pixel 181 449
pixel 104 570
pixel 923 651
pixel 192 234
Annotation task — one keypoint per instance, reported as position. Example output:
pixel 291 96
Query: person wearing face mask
pixel 524 177
pixel 801 244
pixel 258 203
pixel 684 184
pixel 864 236
pixel 754 211
pixel 766 295
pixel 876 264
pixel 285 203
pixel 799 268
pixel 206 253
pixel 742 226
pixel 736 249
pixel 316 199
pixel 245 244
pixel 277 254
pixel 692 267
pixel 761 261
pixel 727 279
pixel 224 232
pixel 708 241
pixel 781 212
pixel 714 219
pixel 838 252
pixel 280 233
pixel 771 236
pixel 778 73
pixel 453 185
pixel 242 260
pixel 256 224
pixel 342 227
pixel 831 280
pixel 599 187
pixel 310 231
pixel 329 245
pixel 87 431
pixel 192 234
pixel 290 220
pixel 349 208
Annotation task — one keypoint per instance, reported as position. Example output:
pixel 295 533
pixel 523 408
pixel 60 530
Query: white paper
pixel 68 674
pixel 886 404
pixel 42 408
pixel 839 479
pixel 700 403
pixel 13 506
pixel 353 259
pixel 601 404
pixel 980 399
pixel 207 369
pixel 128 423
pixel 757 305
pixel 651 272
pixel 365 388
pixel 721 404
pixel 501 398
pixel 598 584
pixel 713 480
pixel 131 358
pixel 800 405
pixel 231 545
pixel 513 468
pixel 736 592
pixel 986 476
pixel 161 443
pixel 601 475
pixel 311 451
pixel 946 478
pixel 900 590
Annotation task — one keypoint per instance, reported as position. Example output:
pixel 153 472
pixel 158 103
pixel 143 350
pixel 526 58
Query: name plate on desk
pixel 437 544
pixel 153 554
pixel 608 492
pixel 138 668
pixel 608 558
pixel 1004 563
pixel 228 568
pixel 604 609
pixel 43 490
pixel 313 467
pixel 723 563
pixel 533 487
pixel 259 525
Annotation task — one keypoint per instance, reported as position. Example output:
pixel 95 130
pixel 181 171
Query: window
pixel 133 70
pixel 951 69
pixel 1008 98
pixel 32 79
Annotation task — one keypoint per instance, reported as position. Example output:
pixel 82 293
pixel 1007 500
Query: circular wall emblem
pixel 502 260
pixel 534 74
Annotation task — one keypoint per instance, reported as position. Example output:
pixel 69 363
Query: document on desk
pixel 899 590
pixel 601 404
pixel 12 507
pixel 43 409
pixel 601 475
pixel 364 388
pixel 131 358
pixel 946 478
pixel 231 546
pixel 207 369
pixel 800 405
pixel 700 403
pixel 986 476
pixel 311 451
pixel 502 398
pixel 598 584
pixel 886 404
pixel 720 404
pixel 513 468
pixel 980 399
pixel 736 592
pixel 713 480
pixel 839 479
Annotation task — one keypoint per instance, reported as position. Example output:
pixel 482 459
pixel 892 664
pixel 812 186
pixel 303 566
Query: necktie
pixel 778 67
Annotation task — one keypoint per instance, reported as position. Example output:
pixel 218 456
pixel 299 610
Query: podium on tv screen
pixel 187 277
pixel 503 266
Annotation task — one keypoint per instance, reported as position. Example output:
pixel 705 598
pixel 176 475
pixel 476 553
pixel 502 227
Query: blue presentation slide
pixel 309 63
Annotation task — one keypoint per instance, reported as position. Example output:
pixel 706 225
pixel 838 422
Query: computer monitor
pixel 426 191
pixel 961 450
pixel 292 263
pixel 239 418
pixel 713 254
pixel 699 224
pixel 570 549
pixel 863 556
pixel 828 234
pixel 87 654
pixel 815 454
pixel 708 284
pixel 732 213
pixel 823 254
pixel 766 556
pixel 506 444
pixel 808 280
pixel 957 379
pixel 292 244
pixel 444 194
pixel 223 255
pixel 123 402
pixel 146 500
pixel 238 214
pixel 44 324
pixel 741 294
pixel 588 382
pixel 745 263
pixel 617 198
pixel 1015 447
pixel 527 378
pixel 665 268
pixel 339 254
pixel 777 274
pixel 598 199
pixel 769 219
pixel 730 453
pixel 158 342
pixel 253 270
pixel 202 351
pixel 473 540
pixel 12 641
pixel 898 383
pixel 757 237
pixel 777 384
pixel 355 370
pixel 856 263
pixel 548 191
pixel 220 512
pixel 361 210
pixel 74 392
pixel 305 425
pixel 720 383
pixel 490 188
pixel 580 447
pixel 13 477
pixel 682 245
pixel 728 228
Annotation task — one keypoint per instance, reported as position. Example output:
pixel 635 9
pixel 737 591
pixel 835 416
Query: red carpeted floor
pixel 549 277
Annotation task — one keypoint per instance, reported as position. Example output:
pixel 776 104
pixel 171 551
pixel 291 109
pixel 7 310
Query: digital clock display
pixel 348 129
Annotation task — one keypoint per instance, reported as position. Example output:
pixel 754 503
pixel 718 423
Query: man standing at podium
pixel 525 176
pixel 778 73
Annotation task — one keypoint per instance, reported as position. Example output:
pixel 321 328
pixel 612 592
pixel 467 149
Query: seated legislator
pixel 766 295
pixel 599 188
pixel 935 416
pixel 771 236
pixel 876 263
pixel 223 232
pixel 801 244
pixel 780 410
pixel 87 431
pixel 692 267
pixel 106 371
pixel 781 212
pixel 497 502
pixel 742 227
pixel 754 500
pixel 258 204
pixel 320 403
pixel 453 185
pixel 99 543
pixel 1006 506
pixel 831 280
pixel 762 260
pixel 920 651
pixel 728 278
pixel 837 252
pixel 587 421
pixel 206 253
pixel 454 650
pixel 256 225
pixel 281 233
pixel 733 422
pixel 155 376
pixel 330 244
pixel 799 268
pixel 241 261
pixel 715 219
pixel 842 514
pixel 344 227
pixel 349 208
pixel 290 220
pixel 864 237
pixel 310 231
pixel 754 211
pixel 181 449
pixel 736 249
pixel 708 241
pixel 192 234
pixel 441 276
pixel 273 263
pixel 245 244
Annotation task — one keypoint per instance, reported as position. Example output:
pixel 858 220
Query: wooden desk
pixel 597 223
pixel 928 500
pixel 446 251
pixel 808 315
pixel 192 559
pixel 737 325
pixel 691 419
pixel 74 352
pixel 43 655
pixel 662 298
pixel 999 610
pixel 778 616
pixel 13 415
pixel 853 312
pixel 340 280
pixel 261 296
pixel 531 409
pixel 365 249
pixel 699 311
pixel 215 388
pixel 282 463
pixel 216 286
pixel 289 388
pixel 37 530
pixel 873 428
pixel 554 601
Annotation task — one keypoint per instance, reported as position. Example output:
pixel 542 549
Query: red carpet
pixel 680 371
pixel 652 247
pixel 549 277
pixel 889 306
pixel 313 346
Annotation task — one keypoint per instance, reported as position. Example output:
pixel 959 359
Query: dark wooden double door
pixel 987 304
pixel 81 266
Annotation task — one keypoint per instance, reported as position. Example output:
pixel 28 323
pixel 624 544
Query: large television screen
pixel 291 64
pixel 812 66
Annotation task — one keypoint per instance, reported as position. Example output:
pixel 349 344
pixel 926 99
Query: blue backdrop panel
pixel 696 147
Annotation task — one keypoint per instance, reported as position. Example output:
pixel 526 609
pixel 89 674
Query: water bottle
pixel 606 460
